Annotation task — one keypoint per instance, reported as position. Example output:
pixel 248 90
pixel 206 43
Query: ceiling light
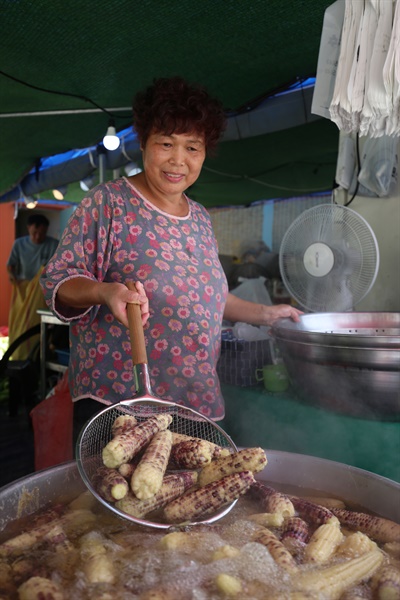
pixel 132 169
pixel 87 183
pixel 111 141
pixel 30 202
pixel 60 192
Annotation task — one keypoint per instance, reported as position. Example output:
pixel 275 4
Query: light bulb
pixel 30 201
pixel 59 193
pixel 132 169
pixel 86 183
pixel 111 141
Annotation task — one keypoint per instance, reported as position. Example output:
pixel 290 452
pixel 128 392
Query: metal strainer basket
pixel 98 431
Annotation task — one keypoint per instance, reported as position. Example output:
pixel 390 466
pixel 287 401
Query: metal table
pixel 47 318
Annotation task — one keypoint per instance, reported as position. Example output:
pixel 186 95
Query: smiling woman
pixel 145 229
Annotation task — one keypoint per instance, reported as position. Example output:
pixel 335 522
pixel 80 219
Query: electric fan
pixel 329 258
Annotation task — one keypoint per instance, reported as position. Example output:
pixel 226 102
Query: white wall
pixel 383 215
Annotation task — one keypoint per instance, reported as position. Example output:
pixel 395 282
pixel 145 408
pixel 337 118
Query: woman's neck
pixel 175 205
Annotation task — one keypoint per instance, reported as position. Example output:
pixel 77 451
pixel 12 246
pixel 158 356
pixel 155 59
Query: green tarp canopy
pixel 61 60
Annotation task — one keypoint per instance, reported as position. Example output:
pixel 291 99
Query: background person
pixel 28 256
pixel 145 229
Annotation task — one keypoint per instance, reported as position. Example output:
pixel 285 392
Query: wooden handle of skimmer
pixel 138 344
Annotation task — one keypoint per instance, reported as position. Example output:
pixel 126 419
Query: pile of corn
pixel 147 467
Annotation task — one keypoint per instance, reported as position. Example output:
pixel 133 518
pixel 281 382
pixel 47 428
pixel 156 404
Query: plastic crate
pixel 62 357
pixel 240 359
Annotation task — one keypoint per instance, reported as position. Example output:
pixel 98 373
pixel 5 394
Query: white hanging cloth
pixel 366 95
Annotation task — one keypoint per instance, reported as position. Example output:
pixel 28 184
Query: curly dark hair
pixel 172 105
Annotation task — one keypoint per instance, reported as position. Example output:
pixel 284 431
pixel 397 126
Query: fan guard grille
pixel 329 258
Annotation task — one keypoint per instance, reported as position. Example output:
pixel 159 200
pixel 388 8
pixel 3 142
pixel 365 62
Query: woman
pixel 145 229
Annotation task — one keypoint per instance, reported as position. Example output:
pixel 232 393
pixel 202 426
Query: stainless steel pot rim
pixel 372 329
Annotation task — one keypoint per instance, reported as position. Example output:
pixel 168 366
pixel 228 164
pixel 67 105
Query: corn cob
pixel 226 551
pixel 314 512
pixel 330 583
pixel 355 544
pixel 148 476
pixel 228 584
pixel 191 454
pixel 386 583
pixel 326 502
pixel 110 484
pixel 40 587
pixel 122 448
pixel 209 498
pixel 216 450
pixel 123 424
pixel 392 548
pixel 271 500
pixel 249 459
pixel 279 553
pixel 172 487
pixel 97 565
pixel 295 534
pixel 377 528
pixel 24 541
pixel 323 543
pixel 267 519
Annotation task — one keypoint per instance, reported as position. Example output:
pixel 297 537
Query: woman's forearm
pixel 83 293
pixel 253 313
pixel 80 292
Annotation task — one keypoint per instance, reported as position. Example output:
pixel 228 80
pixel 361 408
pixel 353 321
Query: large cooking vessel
pixel 63 483
pixel 347 362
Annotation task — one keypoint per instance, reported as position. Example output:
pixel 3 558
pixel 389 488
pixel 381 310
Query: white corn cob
pixel 330 583
pixel 267 519
pixel 355 544
pixel 79 519
pixel 279 553
pixel 323 543
pixel 326 502
pixel 216 450
pixel 40 587
pixel 249 459
pixel 172 487
pixel 122 448
pixel 208 499
pixel 97 564
pixel 110 484
pixel 271 500
pixel 392 548
pixel 228 584
pixel 123 424
pixel 226 551
pixel 387 583
pixel 191 454
pixel 381 530
pixel 147 478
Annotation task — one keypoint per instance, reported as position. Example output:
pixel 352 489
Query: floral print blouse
pixel 115 234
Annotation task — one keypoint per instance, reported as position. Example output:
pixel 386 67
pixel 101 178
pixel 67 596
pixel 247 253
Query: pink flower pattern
pixel 114 235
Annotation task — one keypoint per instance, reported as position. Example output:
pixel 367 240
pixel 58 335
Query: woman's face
pixel 173 162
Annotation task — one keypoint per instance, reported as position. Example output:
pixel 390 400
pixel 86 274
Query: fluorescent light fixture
pixel 59 193
pixel 111 141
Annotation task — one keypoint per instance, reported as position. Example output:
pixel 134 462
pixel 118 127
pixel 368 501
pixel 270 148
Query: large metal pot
pixel 372 492
pixel 347 362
